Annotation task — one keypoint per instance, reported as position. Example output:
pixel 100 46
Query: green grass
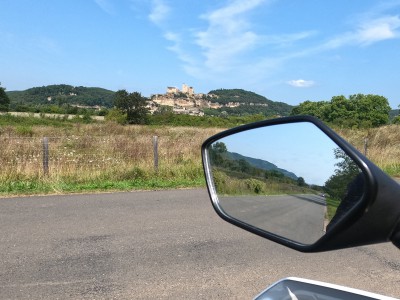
pixel 235 184
pixel 106 156
pixel 99 157
pixel 36 186
pixel 9 120
pixel 392 170
pixel 332 205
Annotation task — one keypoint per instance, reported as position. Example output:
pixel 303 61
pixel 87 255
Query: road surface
pixel 297 217
pixel 159 245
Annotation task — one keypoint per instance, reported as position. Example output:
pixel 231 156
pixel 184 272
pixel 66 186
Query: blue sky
pixel 300 148
pixel 285 50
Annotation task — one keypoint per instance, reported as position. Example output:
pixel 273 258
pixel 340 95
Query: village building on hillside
pixel 176 99
pixel 172 90
pixel 186 101
pixel 187 90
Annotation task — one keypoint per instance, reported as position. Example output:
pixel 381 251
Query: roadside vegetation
pixel 102 156
pixel 239 183
pixel 356 111
pixel 381 144
pixel 235 175
pixel 118 154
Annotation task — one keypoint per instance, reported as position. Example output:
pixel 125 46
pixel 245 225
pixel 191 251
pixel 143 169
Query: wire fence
pixel 90 154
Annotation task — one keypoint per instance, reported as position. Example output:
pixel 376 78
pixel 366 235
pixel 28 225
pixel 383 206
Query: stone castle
pixel 186 101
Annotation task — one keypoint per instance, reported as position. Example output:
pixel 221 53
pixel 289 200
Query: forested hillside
pixel 250 103
pixel 62 94
pixel 260 164
pixel 394 113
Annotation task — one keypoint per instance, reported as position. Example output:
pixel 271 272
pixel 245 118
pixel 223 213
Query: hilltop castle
pixel 187 90
pixel 184 101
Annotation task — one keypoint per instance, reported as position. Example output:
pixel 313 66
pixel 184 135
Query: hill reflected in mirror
pixel 286 179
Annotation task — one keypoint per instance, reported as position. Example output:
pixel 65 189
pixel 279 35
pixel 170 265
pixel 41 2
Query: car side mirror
pixel 294 181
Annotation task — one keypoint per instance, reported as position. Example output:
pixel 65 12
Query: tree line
pixel 356 111
pixel 62 94
pixel 4 100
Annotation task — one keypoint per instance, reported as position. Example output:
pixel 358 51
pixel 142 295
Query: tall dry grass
pixel 383 145
pixel 105 151
pixel 110 152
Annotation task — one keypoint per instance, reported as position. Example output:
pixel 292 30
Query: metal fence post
pixel 155 150
pixel 45 156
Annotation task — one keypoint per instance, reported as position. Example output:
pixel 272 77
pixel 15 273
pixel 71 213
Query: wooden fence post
pixel 45 143
pixel 365 146
pixel 155 150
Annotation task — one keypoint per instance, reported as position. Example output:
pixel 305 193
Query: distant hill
pixel 393 113
pixel 236 102
pixel 250 103
pixel 62 93
pixel 261 164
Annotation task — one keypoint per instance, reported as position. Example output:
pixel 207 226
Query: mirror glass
pixel 291 289
pixel 289 179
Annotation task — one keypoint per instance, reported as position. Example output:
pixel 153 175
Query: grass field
pixel 103 156
pixel 383 145
pixel 107 156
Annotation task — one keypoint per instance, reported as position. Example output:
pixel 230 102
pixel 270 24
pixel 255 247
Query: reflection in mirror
pixel 290 179
pixel 293 288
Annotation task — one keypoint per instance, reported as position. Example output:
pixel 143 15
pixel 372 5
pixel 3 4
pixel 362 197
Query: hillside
pixel 241 102
pixel 235 102
pixel 62 93
pixel 261 164
pixel 394 113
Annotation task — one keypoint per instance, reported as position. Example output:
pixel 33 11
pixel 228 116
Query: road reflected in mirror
pixel 290 180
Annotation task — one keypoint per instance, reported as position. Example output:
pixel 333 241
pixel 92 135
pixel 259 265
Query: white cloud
pixel 159 12
pixel 368 32
pixel 177 48
pixel 229 43
pixel 301 83
pixel 106 6
pixel 228 37
pixel 285 40
pixel 228 34
pixel 380 29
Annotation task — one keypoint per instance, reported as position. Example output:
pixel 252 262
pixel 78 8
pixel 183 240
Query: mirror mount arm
pixel 379 222
pixel 396 236
pixel 375 218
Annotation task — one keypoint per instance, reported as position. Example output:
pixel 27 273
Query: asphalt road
pixel 298 217
pixel 159 245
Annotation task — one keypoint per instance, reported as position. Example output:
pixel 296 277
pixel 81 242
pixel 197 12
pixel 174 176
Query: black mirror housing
pixel 374 219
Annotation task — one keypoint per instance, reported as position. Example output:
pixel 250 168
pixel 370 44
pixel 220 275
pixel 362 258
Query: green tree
pixel 164 110
pixel 4 100
pixel 396 119
pixel 219 147
pixel 244 166
pixel 217 151
pixel 116 115
pixel 317 109
pixel 301 181
pixel 362 111
pixel 370 110
pixel 133 105
pixel 341 111
pixel 346 171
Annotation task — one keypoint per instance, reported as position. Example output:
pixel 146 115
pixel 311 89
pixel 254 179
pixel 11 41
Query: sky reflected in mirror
pixel 300 148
